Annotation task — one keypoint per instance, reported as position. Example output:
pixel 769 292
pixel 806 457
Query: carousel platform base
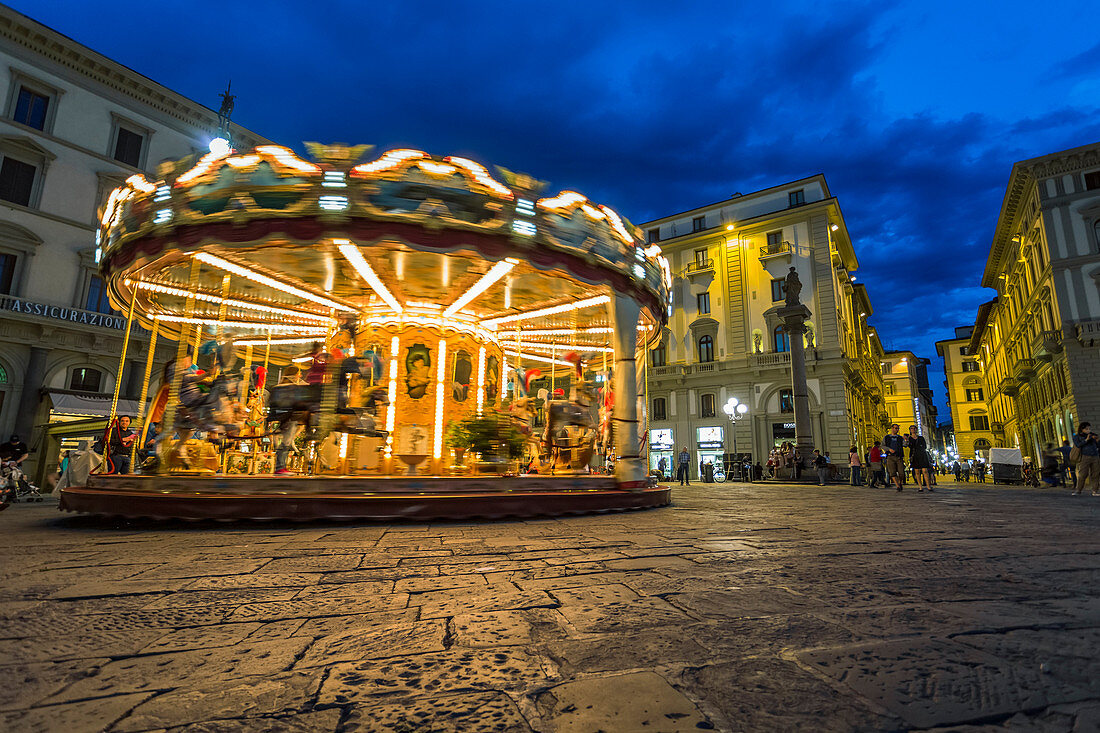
pixel 382 498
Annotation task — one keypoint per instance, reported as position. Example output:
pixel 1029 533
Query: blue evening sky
pixel 915 111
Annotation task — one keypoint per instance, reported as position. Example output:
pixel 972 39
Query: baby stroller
pixel 14 485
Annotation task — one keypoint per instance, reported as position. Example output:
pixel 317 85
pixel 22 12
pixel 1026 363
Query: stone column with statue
pixel 794 315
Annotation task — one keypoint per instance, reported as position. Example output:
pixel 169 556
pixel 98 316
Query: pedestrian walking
pixel 1087 447
pixel 919 459
pixel 822 465
pixel 1069 474
pixel 875 459
pixel 958 471
pixel 894 444
pixel 682 467
pixel 855 467
pixel 662 464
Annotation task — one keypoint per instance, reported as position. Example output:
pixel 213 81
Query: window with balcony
pixel 979 422
pixel 786 400
pixel 970 366
pixel 706 405
pixel 974 395
pixel 700 257
pixel 780 340
pixel 796 198
pixel 658 357
pixel 706 348
pixel 699 223
pixel 702 300
pixel 659 408
pixel 86 380
pixel 779 289
pixel 775 239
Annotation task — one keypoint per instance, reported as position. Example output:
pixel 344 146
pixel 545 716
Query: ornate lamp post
pixel 735 410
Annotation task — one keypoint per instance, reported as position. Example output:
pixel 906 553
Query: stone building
pixel 724 339
pixel 908 394
pixel 966 398
pixel 1038 340
pixel 74 125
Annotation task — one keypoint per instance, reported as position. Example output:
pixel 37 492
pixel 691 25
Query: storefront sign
pixel 660 439
pixel 61 313
pixel 709 438
pixel 710 445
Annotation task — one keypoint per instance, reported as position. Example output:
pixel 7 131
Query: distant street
pixel 759 607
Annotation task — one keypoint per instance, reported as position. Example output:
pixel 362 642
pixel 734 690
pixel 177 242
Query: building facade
pixel 1038 340
pixel 724 339
pixel 908 394
pixel 966 396
pixel 74 126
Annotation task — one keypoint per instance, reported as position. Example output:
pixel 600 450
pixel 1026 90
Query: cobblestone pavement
pixel 757 608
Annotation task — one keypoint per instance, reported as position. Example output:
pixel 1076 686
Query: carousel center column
pixel 630 470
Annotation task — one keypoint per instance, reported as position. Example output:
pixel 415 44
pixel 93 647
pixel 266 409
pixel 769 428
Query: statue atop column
pixel 226 110
pixel 793 287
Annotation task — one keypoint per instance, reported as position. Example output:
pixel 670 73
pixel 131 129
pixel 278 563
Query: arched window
pixel 706 348
pixel 781 340
pixel 86 380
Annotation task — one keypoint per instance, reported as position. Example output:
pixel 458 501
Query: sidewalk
pixel 753 607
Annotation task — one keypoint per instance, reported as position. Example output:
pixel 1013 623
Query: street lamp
pixel 735 410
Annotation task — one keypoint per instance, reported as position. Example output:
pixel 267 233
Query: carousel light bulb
pixel 220 146
pixel 265 280
pixel 355 257
pixel 495 273
pixel 564 308
pixel 232 302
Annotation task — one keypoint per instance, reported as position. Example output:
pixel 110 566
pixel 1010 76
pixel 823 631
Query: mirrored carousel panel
pixel 387 316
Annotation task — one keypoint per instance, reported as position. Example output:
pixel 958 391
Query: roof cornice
pixel 43 41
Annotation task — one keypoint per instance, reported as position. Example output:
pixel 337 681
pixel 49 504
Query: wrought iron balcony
pixel 700 266
pixel 775 250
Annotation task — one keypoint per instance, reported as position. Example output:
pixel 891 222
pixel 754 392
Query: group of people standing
pixel 886 461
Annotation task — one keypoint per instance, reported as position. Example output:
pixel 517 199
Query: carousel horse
pixel 521 410
pixel 570 434
pixel 304 403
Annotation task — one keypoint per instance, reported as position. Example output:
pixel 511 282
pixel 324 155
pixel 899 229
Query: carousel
pixel 376 336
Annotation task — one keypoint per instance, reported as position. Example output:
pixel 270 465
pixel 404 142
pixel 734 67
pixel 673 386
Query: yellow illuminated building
pixel 1038 340
pixel 966 396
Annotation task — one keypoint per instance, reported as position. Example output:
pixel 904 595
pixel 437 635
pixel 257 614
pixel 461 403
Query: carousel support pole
pixel 168 426
pixel 645 402
pixel 122 359
pixel 222 308
pixel 145 385
pixel 629 466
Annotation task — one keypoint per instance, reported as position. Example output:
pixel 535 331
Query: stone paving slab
pixel 759 607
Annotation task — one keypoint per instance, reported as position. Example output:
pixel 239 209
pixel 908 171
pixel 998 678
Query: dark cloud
pixel 648 107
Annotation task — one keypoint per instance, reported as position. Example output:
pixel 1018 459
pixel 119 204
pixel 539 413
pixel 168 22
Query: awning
pixel 90 405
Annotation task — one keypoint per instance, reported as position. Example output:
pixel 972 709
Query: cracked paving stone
pixel 202 568
pixel 492 598
pixel 594 594
pixel 641 701
pixel 166 671
pixel 330 625
pixel 931 682
pixel 765 694
pixel 28 684
pixel 113 643
pixel 484 712
pixel 202 637
pixel 255 580
pixel 377 643
pixel 740 602
pixel 626 616
pixel 422 585
pixel 339 590
pixel 455 670
pixel 651 648
pixel 312 607
pixel 243 697
pixel 312 563
pixel 768 634
pixel 226 597
pixel 507 628
pixel 86 716
pixel 117 588
pixel 317 721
